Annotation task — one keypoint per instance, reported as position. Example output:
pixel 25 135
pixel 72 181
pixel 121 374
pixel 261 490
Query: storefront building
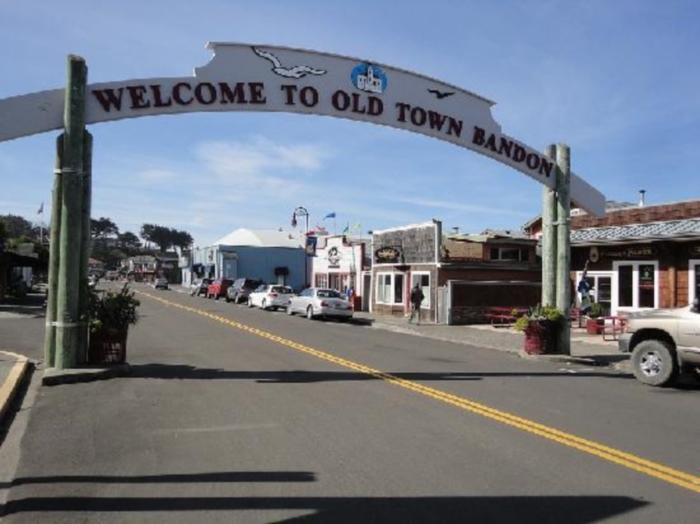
pixel 638 257
pixel 340 264
pixel 461 276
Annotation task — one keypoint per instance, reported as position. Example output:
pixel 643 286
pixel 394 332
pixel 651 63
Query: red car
pixel 218 288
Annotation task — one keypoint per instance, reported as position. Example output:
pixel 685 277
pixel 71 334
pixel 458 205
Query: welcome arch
pixel 245 77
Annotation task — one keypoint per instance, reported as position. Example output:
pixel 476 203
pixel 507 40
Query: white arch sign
pixel 244 77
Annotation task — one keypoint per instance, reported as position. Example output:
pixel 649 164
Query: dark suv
pixel 241 288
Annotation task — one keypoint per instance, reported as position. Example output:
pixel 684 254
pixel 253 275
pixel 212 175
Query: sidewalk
pixel 585 349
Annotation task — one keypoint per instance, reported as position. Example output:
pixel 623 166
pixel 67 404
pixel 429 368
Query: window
pixel 424 280
pixel 390 288
pixel 636 285
pixel 321 280
pixel 693 280
pixel 510 253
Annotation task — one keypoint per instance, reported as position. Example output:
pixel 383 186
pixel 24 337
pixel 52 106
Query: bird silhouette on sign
pixel 441 94
pixel 288 72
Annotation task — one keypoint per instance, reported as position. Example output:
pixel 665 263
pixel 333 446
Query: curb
pixel 56 377
pixel 14 379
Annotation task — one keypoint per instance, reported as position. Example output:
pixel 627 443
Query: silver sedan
pixel 320 302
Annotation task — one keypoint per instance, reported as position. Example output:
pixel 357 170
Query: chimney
pixel 641 197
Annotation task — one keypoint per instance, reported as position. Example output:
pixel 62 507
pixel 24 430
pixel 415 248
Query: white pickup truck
pixel 664 343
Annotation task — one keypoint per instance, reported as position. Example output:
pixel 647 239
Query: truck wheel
pixel 654 363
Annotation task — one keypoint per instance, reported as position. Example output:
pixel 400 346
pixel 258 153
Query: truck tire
pixel 654 363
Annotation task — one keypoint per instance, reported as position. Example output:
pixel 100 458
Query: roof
pixel 610 205
pixel 666 230
pixel 260 238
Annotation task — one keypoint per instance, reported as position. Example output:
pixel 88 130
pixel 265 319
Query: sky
pixel 617 81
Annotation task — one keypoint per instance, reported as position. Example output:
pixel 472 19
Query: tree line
pixel 107 242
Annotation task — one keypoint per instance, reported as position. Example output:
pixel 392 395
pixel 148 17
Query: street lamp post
pixel 303 212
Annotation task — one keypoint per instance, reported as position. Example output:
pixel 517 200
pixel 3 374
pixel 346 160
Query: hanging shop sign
pixel 388 255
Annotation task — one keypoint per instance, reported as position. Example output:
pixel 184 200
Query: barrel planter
pixel 540 337
pixel 107 346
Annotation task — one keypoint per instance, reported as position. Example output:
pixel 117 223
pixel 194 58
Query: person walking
pixel 416 300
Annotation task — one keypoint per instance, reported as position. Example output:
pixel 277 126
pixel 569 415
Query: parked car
pixel 270 296
pixel 664 343
pixel 241 288
pixel 200 286
pixel 160 283
pixel 320 302
pixel 218 288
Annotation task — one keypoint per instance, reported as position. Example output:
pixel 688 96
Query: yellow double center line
pixel 653 469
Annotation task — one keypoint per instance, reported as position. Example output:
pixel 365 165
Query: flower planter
pixel 594 326
pixel 540 337
pixel 107 346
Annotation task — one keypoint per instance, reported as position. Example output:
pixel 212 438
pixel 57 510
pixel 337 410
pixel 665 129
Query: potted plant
pixel 594 322
pixel 541 327
pixel 109 315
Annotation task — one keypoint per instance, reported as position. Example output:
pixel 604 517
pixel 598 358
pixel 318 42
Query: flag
pixel 41 209
pixel 357 226
pixel 329 215
pixel 321 229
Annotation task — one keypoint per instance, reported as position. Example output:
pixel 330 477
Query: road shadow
pixel 186 372
pixel 180 478
pixel 30 305
pixel 416 510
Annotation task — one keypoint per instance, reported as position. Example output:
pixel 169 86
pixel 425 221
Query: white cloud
pixel 258 160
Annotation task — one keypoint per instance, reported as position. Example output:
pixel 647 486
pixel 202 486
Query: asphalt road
pixel 239 415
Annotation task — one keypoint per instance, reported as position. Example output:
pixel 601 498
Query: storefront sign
pixel 388 255
pixel 627 253
pixel 694 250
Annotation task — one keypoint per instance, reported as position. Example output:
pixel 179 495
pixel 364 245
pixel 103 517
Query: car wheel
pixel 654 363
pixel 235 298
pixel 263 305
pixel 310 313
pixel 250 303
pixel 289 310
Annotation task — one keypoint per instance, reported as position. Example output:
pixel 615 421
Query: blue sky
pixel 618 81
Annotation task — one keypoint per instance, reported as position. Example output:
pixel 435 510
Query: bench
pixel 503 316
pixel 613 326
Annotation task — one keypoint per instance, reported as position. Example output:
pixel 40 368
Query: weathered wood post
pixel 549 239
pixel 68 321
pixel 564 244
pixel 54 259
pixel 85 244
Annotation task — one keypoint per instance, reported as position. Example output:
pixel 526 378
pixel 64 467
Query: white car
pixel 270 296
pixel 160 283
pixel 320 302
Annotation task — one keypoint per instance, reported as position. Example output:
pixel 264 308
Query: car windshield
pixel 282 289
pixel 328 293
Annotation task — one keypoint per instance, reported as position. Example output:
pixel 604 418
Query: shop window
pixel 390 288
pixel 693 280
pixel 321 280
pixel 637 285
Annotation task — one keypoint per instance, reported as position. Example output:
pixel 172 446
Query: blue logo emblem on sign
pixel 368 77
